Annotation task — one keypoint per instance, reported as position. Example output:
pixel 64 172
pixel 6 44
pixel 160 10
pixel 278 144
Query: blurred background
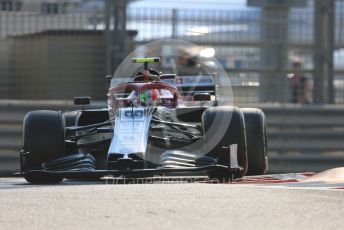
pixel 284 56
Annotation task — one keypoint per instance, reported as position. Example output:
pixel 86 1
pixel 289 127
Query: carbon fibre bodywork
pixel 146 129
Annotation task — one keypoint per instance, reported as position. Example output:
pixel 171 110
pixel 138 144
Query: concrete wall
pixel 4 68
pixel 20 23
pixel 57 65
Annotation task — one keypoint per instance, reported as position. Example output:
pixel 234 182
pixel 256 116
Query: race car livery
pixel 148 128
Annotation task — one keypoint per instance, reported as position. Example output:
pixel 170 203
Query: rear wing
pixel 190 85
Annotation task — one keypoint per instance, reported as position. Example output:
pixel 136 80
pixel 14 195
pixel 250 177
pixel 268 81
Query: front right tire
pixel 229 121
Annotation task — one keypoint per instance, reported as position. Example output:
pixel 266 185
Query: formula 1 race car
pixel 147 129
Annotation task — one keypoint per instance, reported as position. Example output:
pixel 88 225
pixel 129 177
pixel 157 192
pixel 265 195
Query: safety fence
pixel 268 53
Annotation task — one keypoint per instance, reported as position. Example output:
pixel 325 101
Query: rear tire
pixel 217 118
pixel 43 137
pixel 256 141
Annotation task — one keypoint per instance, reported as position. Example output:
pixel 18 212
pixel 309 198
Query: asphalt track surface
pixel 166 204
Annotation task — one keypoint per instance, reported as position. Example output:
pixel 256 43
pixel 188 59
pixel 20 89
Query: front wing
pixel 133 172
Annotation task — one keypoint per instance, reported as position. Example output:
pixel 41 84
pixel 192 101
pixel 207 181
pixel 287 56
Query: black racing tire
pixel 256 141
pixel 43 139
pixel 212 120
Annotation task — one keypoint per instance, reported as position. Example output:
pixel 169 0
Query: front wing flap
pixel 133 172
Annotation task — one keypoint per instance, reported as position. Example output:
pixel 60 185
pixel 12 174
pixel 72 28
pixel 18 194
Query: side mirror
pixel 201 97
pixel 82 100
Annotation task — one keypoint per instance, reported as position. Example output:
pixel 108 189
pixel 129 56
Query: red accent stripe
pixel 267 180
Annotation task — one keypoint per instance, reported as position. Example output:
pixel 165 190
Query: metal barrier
pixel 311 141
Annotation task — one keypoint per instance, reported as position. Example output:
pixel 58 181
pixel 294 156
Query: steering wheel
pixel 154 75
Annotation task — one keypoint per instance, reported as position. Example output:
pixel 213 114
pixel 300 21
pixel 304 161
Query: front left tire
pixel 44 141
pixel 256 141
